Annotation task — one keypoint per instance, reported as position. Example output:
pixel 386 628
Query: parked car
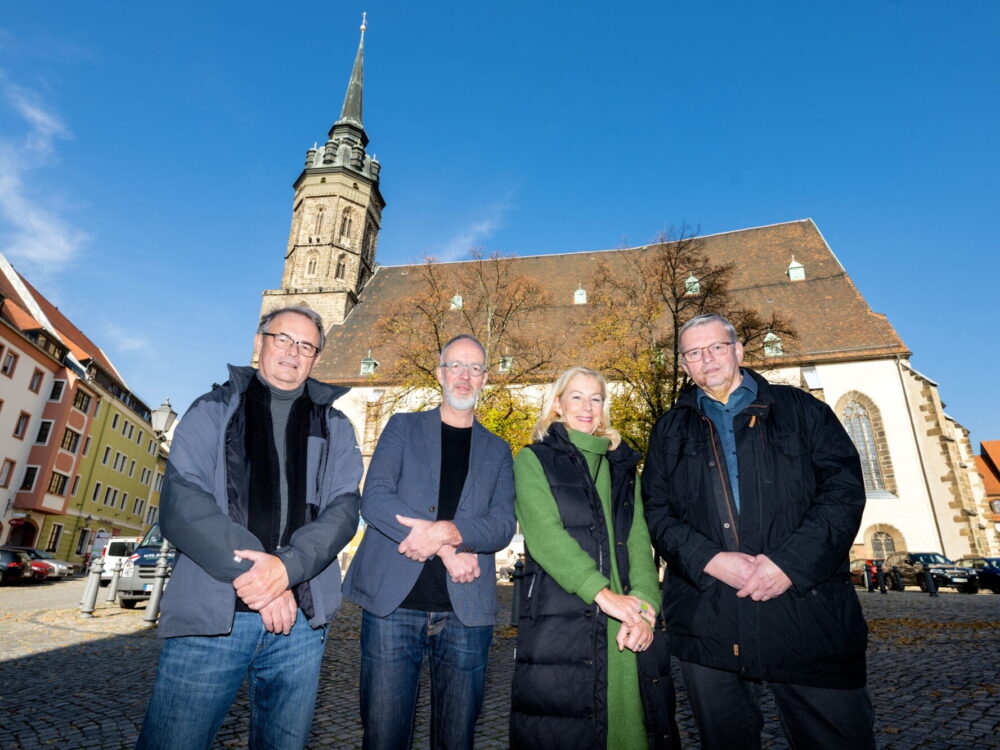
pixel 117 549
pixel 14 565
pixel 41 570
pixel 139 572
pixel 988 569
pixel 858 571
pixel 946 573
pixel 63 568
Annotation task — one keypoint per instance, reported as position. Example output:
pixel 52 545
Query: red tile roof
pixel 833 321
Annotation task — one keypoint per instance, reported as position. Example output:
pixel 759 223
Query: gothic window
pixel 345 228
pixel 319 222
pixel 311 265
pixel 340 266
pixel 858 423
pixel 882 544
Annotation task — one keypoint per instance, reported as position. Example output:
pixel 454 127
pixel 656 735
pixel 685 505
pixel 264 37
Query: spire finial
pixel 364 21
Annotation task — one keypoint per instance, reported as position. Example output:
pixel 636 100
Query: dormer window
pixel 796 271
pixel 580 296
pixel 456 302
pixel 506 364
pixel 773 346
pixel 692 285
pixel 368 365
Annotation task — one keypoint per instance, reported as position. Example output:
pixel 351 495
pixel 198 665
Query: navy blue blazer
pixel 404 478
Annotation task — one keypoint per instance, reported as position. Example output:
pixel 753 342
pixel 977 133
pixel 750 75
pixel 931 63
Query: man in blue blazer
pixel 439 502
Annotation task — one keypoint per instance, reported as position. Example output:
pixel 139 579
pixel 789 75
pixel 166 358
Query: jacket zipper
pixel 722 480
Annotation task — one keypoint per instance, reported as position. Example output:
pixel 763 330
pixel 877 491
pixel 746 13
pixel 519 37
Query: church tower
pixel 336 216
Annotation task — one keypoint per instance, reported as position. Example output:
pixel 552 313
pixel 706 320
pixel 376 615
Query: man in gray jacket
pixel 439 501
pixel 260 495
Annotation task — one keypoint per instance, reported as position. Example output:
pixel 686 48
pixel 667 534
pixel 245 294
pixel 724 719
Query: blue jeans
pixel 392 657
pixel 198 677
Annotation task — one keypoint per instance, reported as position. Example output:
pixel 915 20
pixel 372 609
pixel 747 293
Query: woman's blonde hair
pixel 550 415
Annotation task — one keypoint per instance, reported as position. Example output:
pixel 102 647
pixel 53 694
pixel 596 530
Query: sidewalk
pixel 67 682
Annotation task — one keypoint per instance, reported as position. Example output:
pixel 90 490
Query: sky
pixel 148 151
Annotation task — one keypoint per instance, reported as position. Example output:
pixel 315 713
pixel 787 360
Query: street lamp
pixel 163 418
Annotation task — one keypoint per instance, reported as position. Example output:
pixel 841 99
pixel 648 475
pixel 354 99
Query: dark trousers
pixel 727 710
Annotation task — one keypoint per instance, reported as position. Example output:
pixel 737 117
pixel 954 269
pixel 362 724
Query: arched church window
pixel 340 266
pixel 858 423
pixel 882 544
pixel 345 228
pixel 319 222
pixel 311 265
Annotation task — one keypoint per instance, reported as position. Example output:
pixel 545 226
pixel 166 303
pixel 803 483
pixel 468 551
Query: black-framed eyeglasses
pixel 475 369
pixel 718 349
pixel 286 343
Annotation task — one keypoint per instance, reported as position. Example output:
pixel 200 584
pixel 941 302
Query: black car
pixel 910 566
pixel 988 569
pixel 14 566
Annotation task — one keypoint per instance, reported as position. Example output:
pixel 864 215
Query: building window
pixel 86 446
pixel 28 483
pixel 71 440
pixel 506 364
pixel 319 221
pixel 580 296
pixel 457 302
pixel 81 401
pixel 82 541
pixel 138 439
pixel 76 485
pixel 131 431
pixel 55 536
pixel 114 421
pixel 107 455
pixel 57 483
pixel 368 365
pixel 110 496
pixel 159 482
pixel 97 492
pixel 311 265
pixel 150 449
pixel 340 266
pixel 882 544
pixel 21 426
pixel 6 473
pixel 36 381
pixel 97 407
pixel 118 458
pixel 137 506
pixel 796 271
pixel 151 514
pixel 44 429
pixel 131 469
pixel 124 501
pixel 858 423
pixel 345 229
pixel 692 285
pixel 9 363
pixel 773 346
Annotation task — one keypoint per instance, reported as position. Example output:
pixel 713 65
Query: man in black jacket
pixel 753 493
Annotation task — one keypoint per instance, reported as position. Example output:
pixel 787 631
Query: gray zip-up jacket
pixel 199 508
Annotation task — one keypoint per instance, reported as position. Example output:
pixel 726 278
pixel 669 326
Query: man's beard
pixel 457 402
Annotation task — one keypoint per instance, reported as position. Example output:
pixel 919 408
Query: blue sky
pixel 147 152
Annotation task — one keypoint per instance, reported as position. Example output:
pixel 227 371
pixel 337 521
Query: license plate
pixel 959 580
pixel 148 587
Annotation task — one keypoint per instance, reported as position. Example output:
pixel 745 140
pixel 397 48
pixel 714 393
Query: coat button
pixel 433 508
pixel 711 463
pixel 725 525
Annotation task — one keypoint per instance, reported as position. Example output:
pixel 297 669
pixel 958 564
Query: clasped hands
pixel 752 576
pixel 264 589
pixel 636 616
pixel 429 538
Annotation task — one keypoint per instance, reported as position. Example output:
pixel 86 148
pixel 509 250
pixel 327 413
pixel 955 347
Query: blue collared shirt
pixel 722 417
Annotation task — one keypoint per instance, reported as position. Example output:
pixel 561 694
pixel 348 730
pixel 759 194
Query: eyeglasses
pixel 474 370
pixel 718 349
pixel 286 343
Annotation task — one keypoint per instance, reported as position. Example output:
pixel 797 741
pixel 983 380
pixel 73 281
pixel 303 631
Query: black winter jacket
pixel 801 498
pixel 559 697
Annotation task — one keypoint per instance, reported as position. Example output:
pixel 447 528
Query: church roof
pixel 831 317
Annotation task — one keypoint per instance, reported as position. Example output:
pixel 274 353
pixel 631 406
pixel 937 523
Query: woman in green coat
pixel 588 599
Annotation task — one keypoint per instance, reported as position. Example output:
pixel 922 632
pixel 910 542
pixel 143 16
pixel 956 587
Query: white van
pixel 117 548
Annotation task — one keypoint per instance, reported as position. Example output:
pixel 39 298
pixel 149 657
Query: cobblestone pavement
pixel 69 682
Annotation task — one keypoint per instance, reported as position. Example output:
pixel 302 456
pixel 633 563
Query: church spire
pixel 350 113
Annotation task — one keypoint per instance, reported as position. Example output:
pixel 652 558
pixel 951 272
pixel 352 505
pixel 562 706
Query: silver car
pixel 63 567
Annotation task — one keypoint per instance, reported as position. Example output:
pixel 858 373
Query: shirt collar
pixel 745 393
